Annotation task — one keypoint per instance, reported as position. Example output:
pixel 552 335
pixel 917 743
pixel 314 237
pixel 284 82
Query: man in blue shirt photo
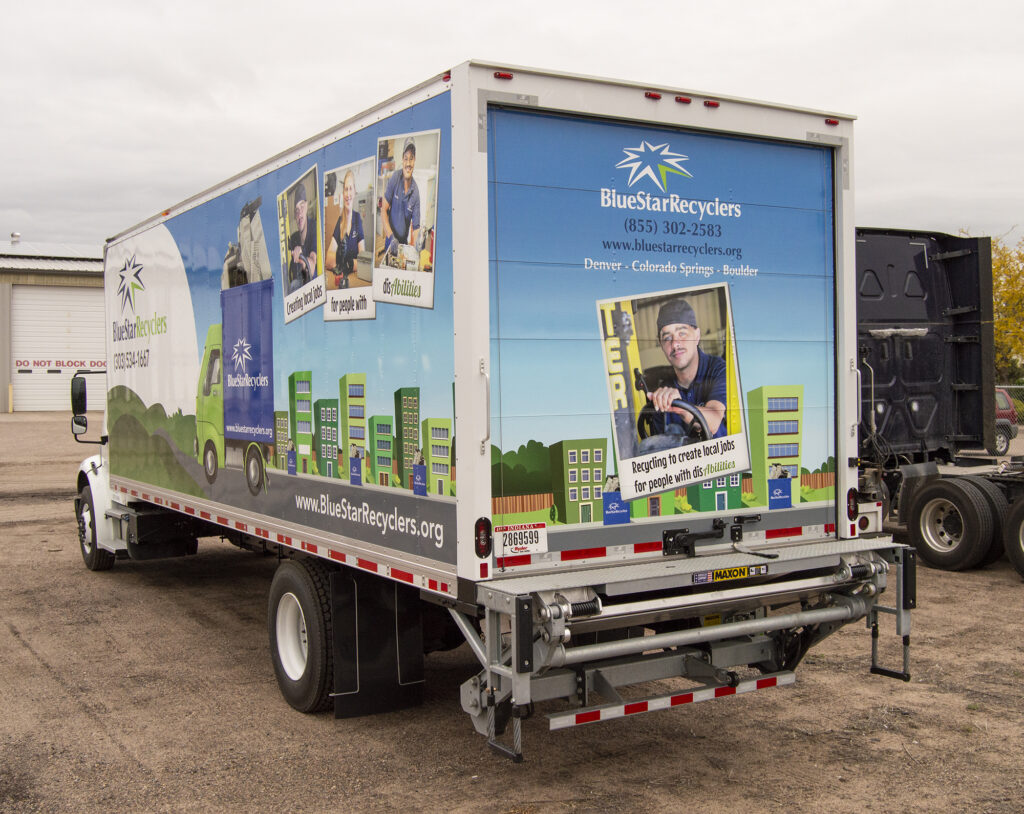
pixel 699 378
pixel 400 207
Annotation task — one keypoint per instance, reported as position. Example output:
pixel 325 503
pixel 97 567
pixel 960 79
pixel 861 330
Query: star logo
pixel 240 354
pixel 129 282
pixel 654 161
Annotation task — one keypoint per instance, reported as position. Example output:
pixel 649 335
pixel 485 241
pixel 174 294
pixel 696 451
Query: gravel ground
pixel 149 688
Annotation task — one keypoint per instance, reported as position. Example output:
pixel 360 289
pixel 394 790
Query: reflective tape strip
pixel 564 720
pixel 319 549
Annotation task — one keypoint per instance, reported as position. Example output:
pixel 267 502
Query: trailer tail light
pixel 502 75
pixel 652 95
pixel 684 100
pixel 711 103
pixel 851 504
pixel 482 540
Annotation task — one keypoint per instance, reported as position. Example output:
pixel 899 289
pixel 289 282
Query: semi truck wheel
pixel 1000 509
pixel 210 461
pixel 301 637
pixel 1013 536
pixel 96 558
pixel 254 470
pixel 950 524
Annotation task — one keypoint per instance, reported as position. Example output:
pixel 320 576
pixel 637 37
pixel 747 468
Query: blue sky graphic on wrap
pixel 402 347
pixel 546 177
pixel 248 360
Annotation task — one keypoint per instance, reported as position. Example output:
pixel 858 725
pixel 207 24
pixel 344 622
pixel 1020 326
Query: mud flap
pixel 378 644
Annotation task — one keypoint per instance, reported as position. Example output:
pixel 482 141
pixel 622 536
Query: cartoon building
pixel 437 454
pixel 657 505
pixel 717 494
pixel 577 476
pixel 325 436
pixel 407 431
pixel 775 429
pixel 281 439
pixel 352 417
pixel 381 449
pixel 300 414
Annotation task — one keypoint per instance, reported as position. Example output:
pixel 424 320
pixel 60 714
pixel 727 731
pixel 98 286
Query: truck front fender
pixel 94 474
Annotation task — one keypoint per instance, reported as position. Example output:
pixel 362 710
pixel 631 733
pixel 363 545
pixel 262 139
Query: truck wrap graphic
pixel 277 363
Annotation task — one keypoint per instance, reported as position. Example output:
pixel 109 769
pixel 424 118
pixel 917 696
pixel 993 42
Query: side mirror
pixel 79 424
pixel 78 399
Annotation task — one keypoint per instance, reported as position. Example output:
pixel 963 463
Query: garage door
pixel 54 332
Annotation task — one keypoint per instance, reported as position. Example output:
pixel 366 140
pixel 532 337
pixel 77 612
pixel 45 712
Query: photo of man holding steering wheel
pixel 698 378
pixel 674 386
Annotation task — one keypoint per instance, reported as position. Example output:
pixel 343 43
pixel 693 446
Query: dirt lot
pixel 149 688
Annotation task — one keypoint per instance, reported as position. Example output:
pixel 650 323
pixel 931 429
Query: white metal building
pixel 51 323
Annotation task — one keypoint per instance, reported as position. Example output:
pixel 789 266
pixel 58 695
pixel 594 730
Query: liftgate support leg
pixel 378 645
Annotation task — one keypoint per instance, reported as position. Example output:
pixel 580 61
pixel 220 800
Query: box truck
pixel 558 367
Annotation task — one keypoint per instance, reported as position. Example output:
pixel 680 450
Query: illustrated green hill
pixel 139 452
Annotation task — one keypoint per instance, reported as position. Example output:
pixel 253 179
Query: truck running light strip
pixel 708 693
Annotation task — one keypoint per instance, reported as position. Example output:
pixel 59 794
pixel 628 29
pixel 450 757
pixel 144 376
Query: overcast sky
pixel 115 111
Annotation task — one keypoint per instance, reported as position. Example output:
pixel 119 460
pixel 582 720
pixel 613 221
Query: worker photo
pixel 348 219
pixel 406 196
pixel 299 213
pixel 671 366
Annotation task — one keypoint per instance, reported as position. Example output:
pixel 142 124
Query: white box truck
pixel 563 368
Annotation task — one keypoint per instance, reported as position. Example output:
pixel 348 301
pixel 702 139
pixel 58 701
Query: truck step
pixel 708 692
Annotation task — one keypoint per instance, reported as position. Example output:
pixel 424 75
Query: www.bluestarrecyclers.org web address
pixel 366 515
pixel 638 244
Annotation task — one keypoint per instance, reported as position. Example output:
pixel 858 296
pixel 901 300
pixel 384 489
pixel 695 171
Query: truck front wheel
pixel 96 558
pixel 301 633
pixel 950 524
pixel 210 461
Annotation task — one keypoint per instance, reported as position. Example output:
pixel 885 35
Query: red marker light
pixel 447 77
pixel 483 541
pixel 652 95
pixel 684 100
pixel 502 75
pixel 710 103
pixel 831 122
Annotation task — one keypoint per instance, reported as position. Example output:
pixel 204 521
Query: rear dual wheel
pixel 301 633
pixel 951 524
pixel 1013 535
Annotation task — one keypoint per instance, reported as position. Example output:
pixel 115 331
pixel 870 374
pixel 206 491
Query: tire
pixel 254 470
pixel 210 461
pixel 1002 441
pixel 301 633
pixel 95 558
pixel 1000 508
pixel 950 524
pixel 1013 536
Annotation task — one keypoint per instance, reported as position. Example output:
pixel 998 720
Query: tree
pixel 1008 310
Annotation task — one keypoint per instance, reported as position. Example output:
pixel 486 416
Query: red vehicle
pixel 1006 421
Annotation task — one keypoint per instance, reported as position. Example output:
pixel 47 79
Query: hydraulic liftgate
pixel 572 636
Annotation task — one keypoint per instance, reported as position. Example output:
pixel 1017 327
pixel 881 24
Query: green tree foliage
pixel 527 471
pixel 1008 308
